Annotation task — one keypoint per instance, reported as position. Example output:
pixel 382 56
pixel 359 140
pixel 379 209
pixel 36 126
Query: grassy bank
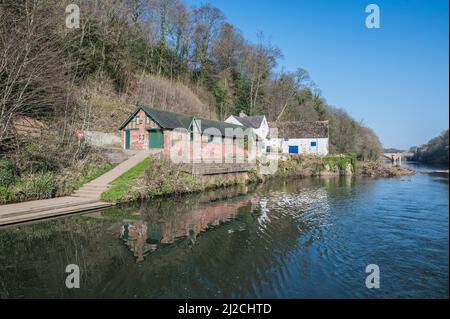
pixel 16 186
pixel 125 186
pixel 159 177
pixel 305 166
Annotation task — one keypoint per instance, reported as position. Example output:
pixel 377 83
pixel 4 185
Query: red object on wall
pixel 79 134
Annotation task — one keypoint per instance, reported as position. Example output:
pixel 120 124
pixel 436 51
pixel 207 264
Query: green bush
pixel 7 195
pixel 8 173
pixel 36 186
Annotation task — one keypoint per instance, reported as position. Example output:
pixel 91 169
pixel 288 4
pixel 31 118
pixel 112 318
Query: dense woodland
pixel 156 52
pixel 435 151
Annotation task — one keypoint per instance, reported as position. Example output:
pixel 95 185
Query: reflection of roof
pixel 250 121
pixel 172 120
pixel 293 129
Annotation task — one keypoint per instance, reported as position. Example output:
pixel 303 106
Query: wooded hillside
pixel 435 151
pixel 156 52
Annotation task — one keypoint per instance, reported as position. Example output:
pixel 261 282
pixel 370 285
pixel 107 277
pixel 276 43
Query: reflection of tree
pixel 238 259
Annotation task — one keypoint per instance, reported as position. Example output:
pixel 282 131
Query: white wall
pixel 261 131
pixel 304 145
pixel 101 139
pixel 231 119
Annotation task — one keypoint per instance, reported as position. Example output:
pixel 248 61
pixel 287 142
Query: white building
pixel 258 123
pixel 305 138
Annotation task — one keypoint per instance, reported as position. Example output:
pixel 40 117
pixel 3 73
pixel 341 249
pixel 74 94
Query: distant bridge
pixel 396 158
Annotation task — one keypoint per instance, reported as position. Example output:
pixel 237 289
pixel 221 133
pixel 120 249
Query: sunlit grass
pixel 124 184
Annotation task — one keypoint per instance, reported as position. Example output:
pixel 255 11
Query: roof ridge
pixel 160 110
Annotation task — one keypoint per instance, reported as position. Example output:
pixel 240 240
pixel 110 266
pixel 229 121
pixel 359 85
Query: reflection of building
pixel 135 236
pixel 142 238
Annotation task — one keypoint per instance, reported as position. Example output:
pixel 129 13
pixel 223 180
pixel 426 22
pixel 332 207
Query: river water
pixel 295 238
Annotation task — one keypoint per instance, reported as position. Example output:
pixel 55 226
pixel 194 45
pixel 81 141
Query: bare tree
pixel 295 82
pixel 207 21
pixel 259 60
pixel 32 73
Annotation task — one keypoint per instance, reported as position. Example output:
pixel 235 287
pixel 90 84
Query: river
pixel 295 238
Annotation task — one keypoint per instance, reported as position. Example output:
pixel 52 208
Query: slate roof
pixel 250 121
pixel 221 126
pixel 292 129
pixel 172 120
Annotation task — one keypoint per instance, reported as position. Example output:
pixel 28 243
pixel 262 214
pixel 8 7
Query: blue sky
pixel 395 79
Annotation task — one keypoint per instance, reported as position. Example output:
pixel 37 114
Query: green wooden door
pixel 156 139
pixel 127 140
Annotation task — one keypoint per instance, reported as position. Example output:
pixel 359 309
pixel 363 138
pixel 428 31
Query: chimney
pixel 242 114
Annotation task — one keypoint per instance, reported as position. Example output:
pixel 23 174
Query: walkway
pixel 87 198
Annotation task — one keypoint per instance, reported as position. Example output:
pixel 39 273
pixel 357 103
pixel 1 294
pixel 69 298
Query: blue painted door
pixel 293 149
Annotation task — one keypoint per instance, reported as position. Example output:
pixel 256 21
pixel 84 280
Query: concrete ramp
pixel 85 199
pixel 95 188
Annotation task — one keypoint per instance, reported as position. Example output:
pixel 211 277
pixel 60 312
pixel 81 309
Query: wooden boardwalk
pixel 87 198
pixel 199 169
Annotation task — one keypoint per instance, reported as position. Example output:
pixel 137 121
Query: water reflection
pixel 135 236
pixel 284 238
pixel 167 224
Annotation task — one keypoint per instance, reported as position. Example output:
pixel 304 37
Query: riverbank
pixel 378 169
pixel 288 231
pixel 160 177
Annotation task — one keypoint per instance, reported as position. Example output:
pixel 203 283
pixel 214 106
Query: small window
pixel 147 119
pixel 138 120
pixel 269 149
pixel 293 149
pixel 141 137
pixel 192 136
pixel 210 138
pixel 313 143
pixel 286 139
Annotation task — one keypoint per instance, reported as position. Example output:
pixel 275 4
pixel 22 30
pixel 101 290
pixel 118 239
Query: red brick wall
pixel 214 150
pixel 137 130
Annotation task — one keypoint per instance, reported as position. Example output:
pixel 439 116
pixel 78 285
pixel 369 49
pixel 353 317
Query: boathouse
pixel 150 128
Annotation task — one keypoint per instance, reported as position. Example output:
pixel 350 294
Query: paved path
pixel 85 199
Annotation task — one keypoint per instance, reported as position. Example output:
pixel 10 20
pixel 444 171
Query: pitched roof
pixel 250 121
pixel 221 126
pixel 172 120
pixel 294 129
pixel 165 119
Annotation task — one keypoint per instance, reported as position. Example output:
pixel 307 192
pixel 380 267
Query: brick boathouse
pixel 150 128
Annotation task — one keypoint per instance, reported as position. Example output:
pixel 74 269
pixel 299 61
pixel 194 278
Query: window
pixel 147 119
pixel 192 136
pixel 210 138
pixel 269 149
pixel 293 149
pixel 138 120
pixel 286 139
pixel 141 137
pixel 313 143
